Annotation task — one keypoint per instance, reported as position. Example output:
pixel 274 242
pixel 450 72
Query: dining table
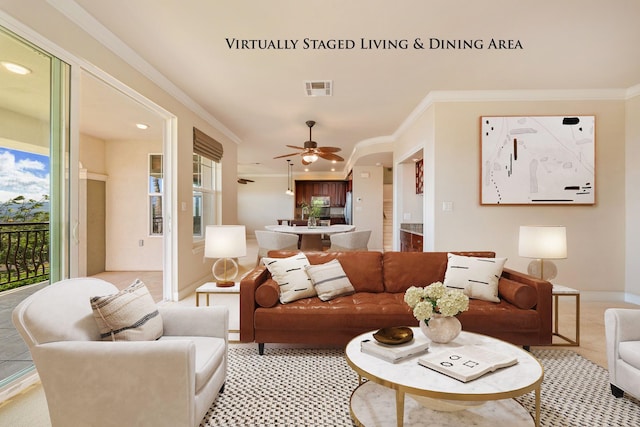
pixel 311 237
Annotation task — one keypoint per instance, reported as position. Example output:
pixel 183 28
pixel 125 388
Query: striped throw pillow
pixel 330 280
pixel 477 277
pixel 291 277
pixel 129 315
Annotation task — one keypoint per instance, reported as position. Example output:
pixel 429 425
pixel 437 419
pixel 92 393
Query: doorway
pixel 120 135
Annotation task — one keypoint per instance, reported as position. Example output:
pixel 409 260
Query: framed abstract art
pixel 537 160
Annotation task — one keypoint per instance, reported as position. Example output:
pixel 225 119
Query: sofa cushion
pixel 128 315
pixel 476 276
pixel 405 269
pixel 330 280
pixel 291 276
pixel 268 293
pixel 210 353
pixel 362 310
pixel 518 294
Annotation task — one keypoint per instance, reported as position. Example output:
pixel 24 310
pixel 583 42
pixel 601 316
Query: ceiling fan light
pixel 310 158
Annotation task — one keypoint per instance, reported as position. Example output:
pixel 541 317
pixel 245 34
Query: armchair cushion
pixel 128 315
pixel 210 353
pixel 629 351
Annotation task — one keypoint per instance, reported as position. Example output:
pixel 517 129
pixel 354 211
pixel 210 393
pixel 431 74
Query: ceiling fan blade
pixel 330 156
pixel 287 155
pixel 294 146
pixel 328 149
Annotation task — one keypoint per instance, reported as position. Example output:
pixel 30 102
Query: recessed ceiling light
pixel 142 126
pixel 333 169
pixel 306 169
pixel 15 68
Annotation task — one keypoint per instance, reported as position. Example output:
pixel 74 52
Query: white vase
pixel 441 329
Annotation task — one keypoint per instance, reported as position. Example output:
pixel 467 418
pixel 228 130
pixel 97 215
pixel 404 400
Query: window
pixel 206 191
pixel 156 188
pixel 207 154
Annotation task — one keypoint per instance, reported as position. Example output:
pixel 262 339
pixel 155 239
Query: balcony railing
pixel 24 252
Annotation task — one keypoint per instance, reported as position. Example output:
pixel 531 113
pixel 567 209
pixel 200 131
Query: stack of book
pixel 395 353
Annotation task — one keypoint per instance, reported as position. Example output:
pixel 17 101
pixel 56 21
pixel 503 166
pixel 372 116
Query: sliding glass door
pixel 34 185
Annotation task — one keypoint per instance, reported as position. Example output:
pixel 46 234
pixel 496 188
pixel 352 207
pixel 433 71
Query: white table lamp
pixel 542 242
pixel 225 242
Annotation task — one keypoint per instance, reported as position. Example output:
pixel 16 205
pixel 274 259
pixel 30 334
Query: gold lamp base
pixel 225 284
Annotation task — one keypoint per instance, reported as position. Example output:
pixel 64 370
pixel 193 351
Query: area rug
pixel 312 387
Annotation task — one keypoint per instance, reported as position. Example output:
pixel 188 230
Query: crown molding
pixel 514 96
pixel 94 28
pixel 633 91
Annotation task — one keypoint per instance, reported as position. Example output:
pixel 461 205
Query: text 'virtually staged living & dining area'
pixel 364 213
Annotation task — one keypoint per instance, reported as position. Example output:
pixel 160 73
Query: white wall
pixel 596 234
pixel 632 199
pixel 367 202
pixel 263 202
pixel 412 203
pixel 127 209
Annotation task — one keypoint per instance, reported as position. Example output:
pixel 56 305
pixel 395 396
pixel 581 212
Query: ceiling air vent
pixel 318 88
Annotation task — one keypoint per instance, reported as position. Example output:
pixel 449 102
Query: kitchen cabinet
pixel 336 190
pixel 410 242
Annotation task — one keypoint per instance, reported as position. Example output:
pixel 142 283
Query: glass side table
pixel 564 291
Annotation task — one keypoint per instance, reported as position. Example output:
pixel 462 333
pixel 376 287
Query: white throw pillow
pixel 129 315
pixel 476 276
pixel 330 280
pixel 291 276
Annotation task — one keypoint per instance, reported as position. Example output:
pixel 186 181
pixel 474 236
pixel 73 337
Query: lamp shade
pixel 225 241
pixel 542 241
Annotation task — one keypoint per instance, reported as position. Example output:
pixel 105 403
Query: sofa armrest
pixel 543 304
pixel 210 321
pixel 88 379
pixel 248 286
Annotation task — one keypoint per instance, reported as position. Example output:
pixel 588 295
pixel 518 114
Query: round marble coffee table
pixel 437 398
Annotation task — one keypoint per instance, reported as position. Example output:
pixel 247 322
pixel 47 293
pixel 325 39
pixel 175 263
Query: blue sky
pixel 22 173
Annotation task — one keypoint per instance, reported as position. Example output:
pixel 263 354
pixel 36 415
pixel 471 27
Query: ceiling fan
pixel 311 152
pixel 244 180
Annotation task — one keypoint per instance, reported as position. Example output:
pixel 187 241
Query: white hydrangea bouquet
pixel 435 299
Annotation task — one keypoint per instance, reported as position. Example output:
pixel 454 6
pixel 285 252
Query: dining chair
pixel 350 241
pixel 273 240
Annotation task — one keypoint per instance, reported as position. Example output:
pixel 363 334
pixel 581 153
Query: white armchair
pixel 623 350
pixel 171 381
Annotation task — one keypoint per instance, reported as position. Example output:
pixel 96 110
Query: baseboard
pixel 609 297
pixel 18 386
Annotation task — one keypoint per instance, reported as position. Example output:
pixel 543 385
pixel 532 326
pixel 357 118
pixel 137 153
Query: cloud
pixel 18 179
pixel 28 164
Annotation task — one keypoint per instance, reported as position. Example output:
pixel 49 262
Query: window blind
pixel 206 146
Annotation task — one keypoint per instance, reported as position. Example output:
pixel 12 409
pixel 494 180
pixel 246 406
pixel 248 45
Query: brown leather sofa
pixel 522 317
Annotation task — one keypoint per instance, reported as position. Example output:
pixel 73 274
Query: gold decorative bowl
pixel 394 335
